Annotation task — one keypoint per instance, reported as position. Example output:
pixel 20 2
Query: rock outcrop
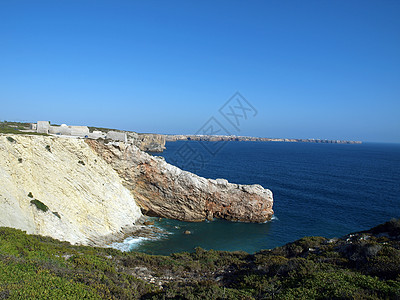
pixel 164 190
pixel 147 141
pixel 61 188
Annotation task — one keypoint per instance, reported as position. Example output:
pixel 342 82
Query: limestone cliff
pixel 60 187
pixel 164 190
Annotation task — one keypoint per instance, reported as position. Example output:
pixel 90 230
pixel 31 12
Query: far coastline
pixel 217 138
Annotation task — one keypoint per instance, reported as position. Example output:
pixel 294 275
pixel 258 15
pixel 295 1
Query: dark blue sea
pixel 319 190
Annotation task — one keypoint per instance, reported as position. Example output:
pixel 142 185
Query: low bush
pixel 40 205
pixel 10 139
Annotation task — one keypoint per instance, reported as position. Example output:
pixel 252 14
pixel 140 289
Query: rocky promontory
pixel 93 192
pixel 149 142
pixel 164 190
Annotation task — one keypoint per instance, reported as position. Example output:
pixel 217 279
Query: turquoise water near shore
pixel 319 189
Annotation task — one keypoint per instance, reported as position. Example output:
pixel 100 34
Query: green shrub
pixel 48 148
pixel 56 214
pixel 30 195
pixel 10 139
pixel 40 205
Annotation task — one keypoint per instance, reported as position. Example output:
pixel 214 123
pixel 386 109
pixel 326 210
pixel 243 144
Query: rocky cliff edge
pixel 164 190
pixel 89 192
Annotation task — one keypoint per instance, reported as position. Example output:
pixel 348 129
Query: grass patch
pixel 10 139
pixel 40 205
pixel 56 214
pixel 16 127
pixel 15 131
pixel 93 128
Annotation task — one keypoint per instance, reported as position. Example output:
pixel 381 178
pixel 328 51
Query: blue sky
pixel 311 69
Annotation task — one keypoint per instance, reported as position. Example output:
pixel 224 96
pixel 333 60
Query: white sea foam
pixel 129 243
pixel 273 218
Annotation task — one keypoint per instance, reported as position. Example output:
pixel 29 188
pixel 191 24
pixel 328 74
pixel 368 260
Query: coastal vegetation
pixel 39 205
pixel 364 265
pixel 16 127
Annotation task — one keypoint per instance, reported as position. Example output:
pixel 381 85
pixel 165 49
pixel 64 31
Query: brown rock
pixel 164 190
pixel 147 141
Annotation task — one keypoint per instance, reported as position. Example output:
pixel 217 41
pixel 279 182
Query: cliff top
pixel 16 127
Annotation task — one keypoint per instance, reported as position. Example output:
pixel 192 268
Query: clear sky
pixel 311 69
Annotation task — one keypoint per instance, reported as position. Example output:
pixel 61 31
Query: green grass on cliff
pixel 93 128
pixel 39 205
pixel 361 266
pixel 15 127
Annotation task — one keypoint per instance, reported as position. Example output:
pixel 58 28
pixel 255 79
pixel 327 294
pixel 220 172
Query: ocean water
pixel 319 189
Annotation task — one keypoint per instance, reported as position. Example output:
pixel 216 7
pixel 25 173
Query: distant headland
pixel 217 138
pixel 149 142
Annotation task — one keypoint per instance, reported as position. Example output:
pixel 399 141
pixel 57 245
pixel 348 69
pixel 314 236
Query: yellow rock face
pixel 67 176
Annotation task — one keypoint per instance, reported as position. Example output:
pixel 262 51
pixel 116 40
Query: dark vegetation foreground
pixel 364 265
